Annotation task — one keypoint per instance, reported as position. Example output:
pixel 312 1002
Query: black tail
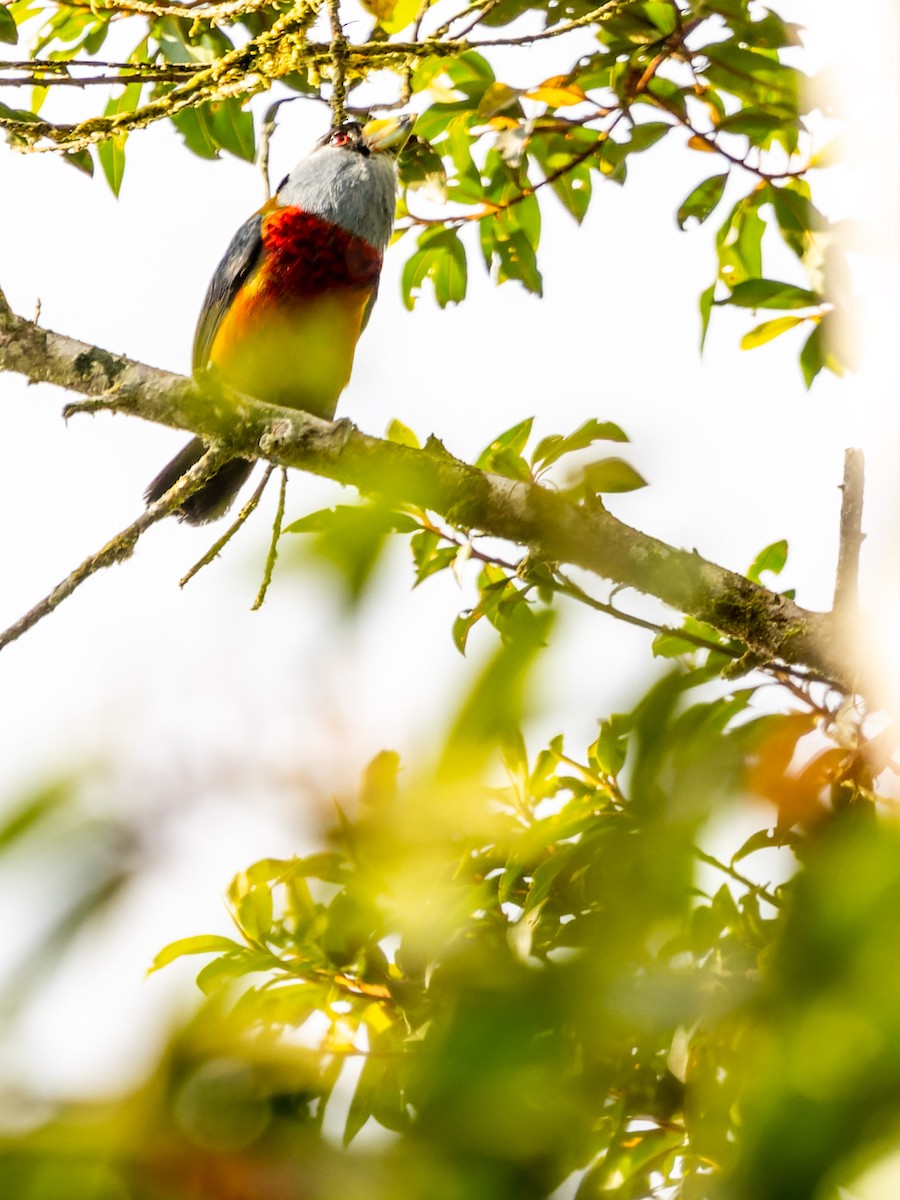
pixel 214 498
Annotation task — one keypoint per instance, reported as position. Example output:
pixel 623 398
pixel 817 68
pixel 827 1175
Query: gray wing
pixel 370 304
pixel 239 262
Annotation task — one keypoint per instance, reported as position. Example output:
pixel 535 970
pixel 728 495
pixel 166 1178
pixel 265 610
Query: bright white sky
pixel 229 724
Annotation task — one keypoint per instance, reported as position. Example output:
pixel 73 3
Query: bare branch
pixel 118 549
pixel 273 546
pixel 219 545
pixel 846 585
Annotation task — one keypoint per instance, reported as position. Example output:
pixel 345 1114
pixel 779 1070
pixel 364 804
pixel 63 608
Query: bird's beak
pixel 389 134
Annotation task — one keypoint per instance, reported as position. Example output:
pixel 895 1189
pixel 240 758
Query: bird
pixel 293 292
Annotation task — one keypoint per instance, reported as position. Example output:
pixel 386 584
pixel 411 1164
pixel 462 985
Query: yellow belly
pixel 296 352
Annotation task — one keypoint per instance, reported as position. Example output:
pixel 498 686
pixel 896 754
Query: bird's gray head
pixel 350 178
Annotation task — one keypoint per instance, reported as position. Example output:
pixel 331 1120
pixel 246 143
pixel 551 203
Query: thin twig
pixel 273 546
pixel 490 209
pixel 609 9
pixel 218 546
pixel 424 6
pixel 756 888
pixel 265 137
pixel 63 66
pixel 484 9
pixel 168 75
pixel 567 587
pixel 232 9
pixel 119 548
pixel 781 672
pixel 338 65
pixel 846 585
pixel 237 73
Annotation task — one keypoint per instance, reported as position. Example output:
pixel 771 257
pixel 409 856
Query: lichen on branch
pixel 552 527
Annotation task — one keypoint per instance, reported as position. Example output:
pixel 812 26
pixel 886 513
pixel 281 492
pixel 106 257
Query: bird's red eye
pixel 340 139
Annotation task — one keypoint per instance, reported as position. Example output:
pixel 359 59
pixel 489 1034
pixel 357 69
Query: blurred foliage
pixel 72 861
pixel 489 160
pixel 511 973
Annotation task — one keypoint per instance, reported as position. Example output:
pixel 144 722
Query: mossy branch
pixel 279 51
pixel 553 527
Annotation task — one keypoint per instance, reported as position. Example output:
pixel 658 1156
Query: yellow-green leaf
pixel 769 330
pixel 207 943
pixel 558 92
pixel 499 96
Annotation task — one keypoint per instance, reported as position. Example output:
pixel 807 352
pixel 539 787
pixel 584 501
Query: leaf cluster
pixel 490 153
pixel 527 982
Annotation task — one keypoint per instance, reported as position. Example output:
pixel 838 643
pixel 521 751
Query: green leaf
pixel 702 200
pixel 80 159
pixel 497 99
pixel 17 114
pixel 646 135
pixel 111 154
pixel 756 77
pixel 377 1095
pixel 812 356
pixel 608 752
pixel 402 435
pixel 707 300
pixel 770 293
pixel 232 966
pixel 664 15
pixel 253 907
pixel 612 475
pixel 798 219
pixel 767 839
pixel 771 559
pixel 208 943
pixel 768 331
pixel 441 257
pixel 231 127
pixel 550 449
pixel 429 555
pixel 470 73
pixel 753 123
pixel 517 261
pixel 351 538
pixel 511 442
pixel 394 15
pixel 739 240
pixel 668 94
pixel 545 875
pixel 462 626
pixel 34 812
pixel 8 31
pixel 670 644
pixel 421 166
pixel 573 189
pixel 194 126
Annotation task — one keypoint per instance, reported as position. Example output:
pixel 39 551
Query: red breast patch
pixel 306 256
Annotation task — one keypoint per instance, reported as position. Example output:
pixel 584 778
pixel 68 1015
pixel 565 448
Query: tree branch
pixel 846 584
pixel 281 50
pixel 338 65
pixel 117 549
pixel 550 525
